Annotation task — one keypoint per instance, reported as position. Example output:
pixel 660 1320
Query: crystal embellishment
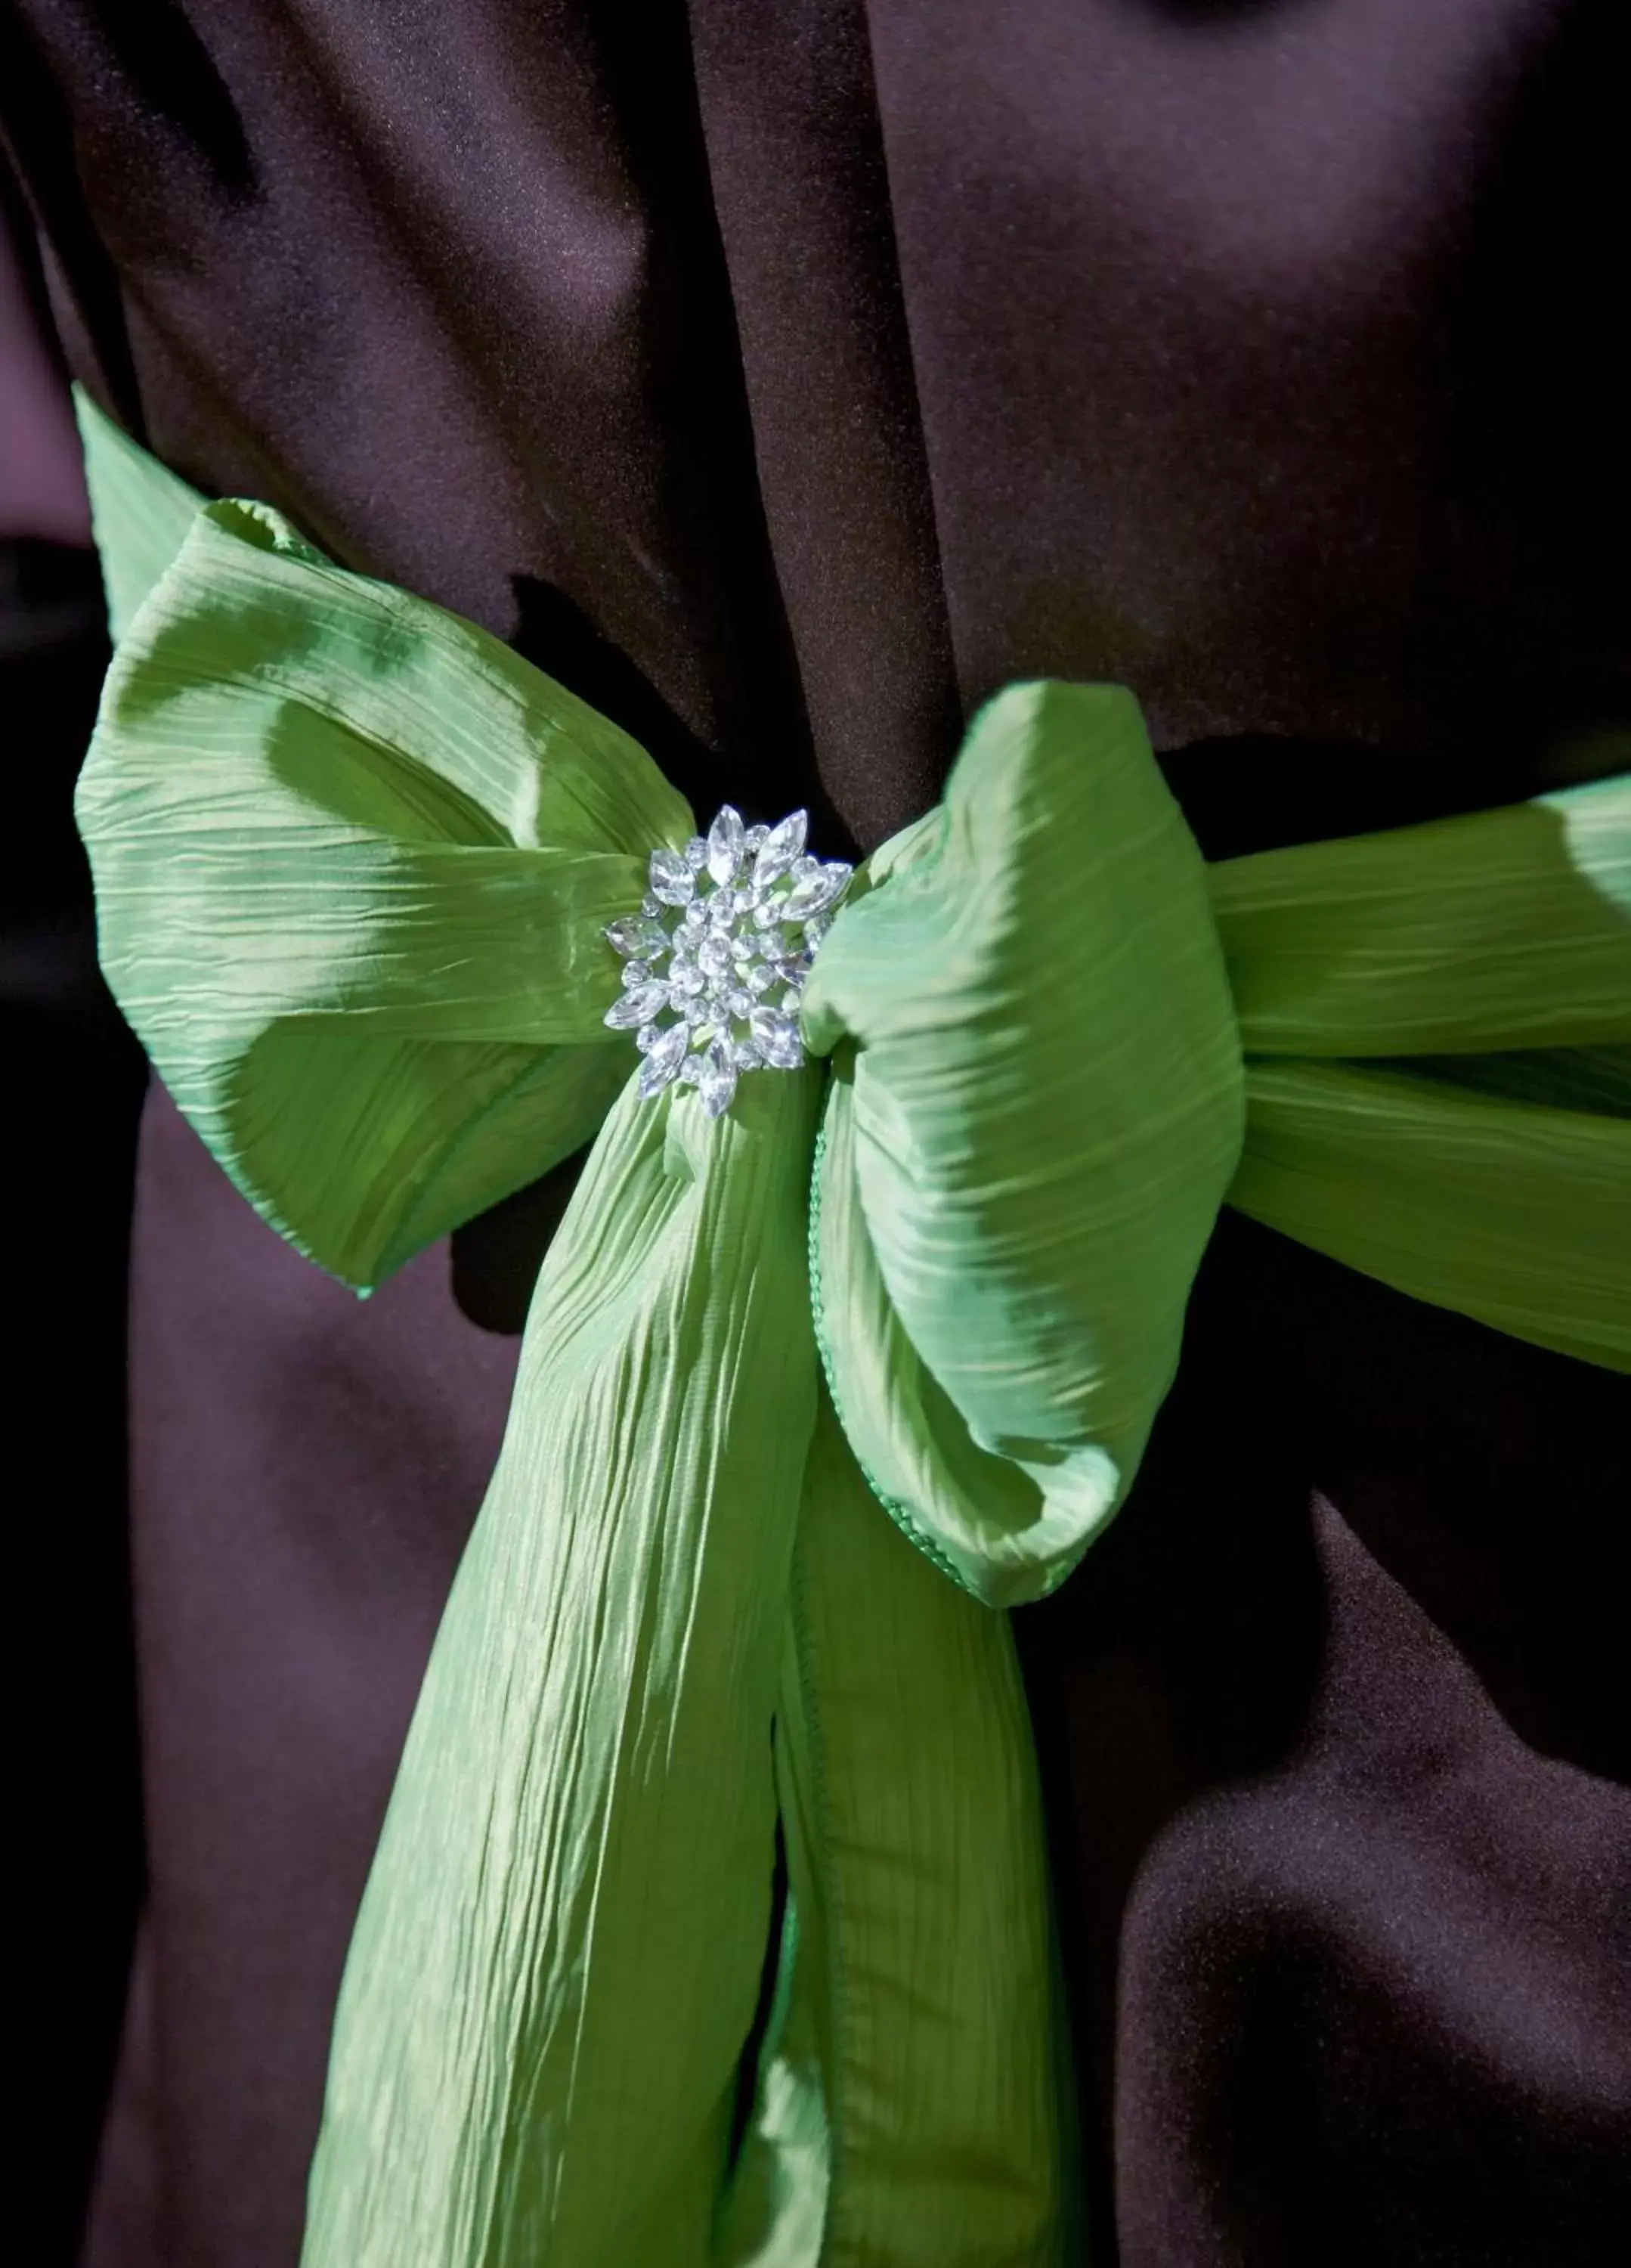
pixel 714 961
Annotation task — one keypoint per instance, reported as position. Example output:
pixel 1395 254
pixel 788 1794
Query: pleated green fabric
pixel 586 1809
pixel 352 861
pixel 379 1040
pixel 1043 959
pixel 920 1857
pixel 1493 1174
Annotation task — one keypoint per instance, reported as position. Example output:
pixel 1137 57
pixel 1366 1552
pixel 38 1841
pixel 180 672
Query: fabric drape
pixel 353 859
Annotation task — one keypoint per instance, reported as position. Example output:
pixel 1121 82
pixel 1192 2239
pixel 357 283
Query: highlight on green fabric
pixel 352 861
pixel 1033 1004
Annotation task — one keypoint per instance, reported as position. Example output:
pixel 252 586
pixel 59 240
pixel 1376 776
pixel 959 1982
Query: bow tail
pixel 559 1954
pixel 918 1867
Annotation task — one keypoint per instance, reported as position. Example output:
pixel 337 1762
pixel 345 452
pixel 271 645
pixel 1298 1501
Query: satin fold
pixel 1033 1005
pixel 560 1946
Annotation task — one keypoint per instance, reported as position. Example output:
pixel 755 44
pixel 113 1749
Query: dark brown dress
pixel 787 375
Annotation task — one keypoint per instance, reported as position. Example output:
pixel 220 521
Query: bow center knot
pixel 714 961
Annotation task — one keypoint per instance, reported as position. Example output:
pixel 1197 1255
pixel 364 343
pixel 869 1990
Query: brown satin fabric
pixel 786 376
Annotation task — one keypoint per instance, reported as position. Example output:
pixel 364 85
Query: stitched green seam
pixel 915 1535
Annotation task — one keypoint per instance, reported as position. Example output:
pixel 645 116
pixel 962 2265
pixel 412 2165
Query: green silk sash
pixel 352 861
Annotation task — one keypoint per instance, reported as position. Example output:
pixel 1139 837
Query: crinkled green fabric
pixel 353 859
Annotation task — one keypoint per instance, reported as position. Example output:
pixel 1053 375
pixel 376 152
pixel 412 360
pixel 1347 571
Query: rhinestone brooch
pixel 714 961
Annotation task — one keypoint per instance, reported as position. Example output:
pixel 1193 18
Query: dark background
pixel 73 1083
pixel 785 375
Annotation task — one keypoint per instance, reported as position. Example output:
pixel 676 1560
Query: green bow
pixel 354 859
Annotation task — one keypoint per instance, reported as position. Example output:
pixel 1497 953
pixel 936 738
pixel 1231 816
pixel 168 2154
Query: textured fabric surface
pixel 354 864
pixel 342 837
pixel 1251 360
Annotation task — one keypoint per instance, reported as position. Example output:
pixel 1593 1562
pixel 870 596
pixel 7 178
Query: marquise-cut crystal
pixel 780 848
pixel 672 880
pixel 724 845
pixel 663 1061
pixel 637 1008
pixel 634 934
pixel 716 1082
pixel 776 1038
pixel 812 893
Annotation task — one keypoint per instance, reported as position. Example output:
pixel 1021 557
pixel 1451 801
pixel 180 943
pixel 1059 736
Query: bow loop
pixel 1037 1107
pixel 387 847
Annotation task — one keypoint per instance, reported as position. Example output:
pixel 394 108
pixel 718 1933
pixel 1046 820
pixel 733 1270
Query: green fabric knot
pixel 354 861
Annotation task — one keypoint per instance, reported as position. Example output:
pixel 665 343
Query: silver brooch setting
pixel 714 961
